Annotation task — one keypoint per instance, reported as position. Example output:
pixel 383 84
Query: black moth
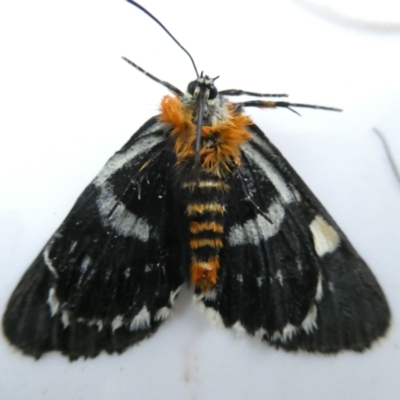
pixel 200 195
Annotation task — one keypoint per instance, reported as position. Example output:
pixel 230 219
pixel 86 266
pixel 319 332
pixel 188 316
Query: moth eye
pixel 192 87
pixel 213 92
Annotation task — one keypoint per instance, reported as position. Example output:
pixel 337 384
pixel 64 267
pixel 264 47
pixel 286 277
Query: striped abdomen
pixel 206 211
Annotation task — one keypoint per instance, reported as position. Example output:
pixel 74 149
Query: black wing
pixel 108 276
pixel 295 281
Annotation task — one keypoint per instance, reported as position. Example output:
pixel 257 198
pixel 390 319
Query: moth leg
pixel 282 104
pixel 238 92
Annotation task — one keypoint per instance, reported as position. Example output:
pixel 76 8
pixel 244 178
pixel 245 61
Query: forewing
pixel 107 278
pixel 295 280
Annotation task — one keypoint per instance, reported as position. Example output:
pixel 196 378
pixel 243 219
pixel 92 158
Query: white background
pixel 68 102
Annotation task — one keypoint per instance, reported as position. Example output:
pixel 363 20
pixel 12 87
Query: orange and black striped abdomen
pixel 206 212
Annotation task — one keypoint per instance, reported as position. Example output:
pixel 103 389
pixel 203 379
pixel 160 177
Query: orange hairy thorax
pixel 221 140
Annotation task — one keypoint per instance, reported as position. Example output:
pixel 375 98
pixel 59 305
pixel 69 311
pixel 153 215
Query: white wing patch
pixel 65 318
pixel 162 314
pixel 310 321
pixel 97 322
pixel 296 193
pixel 173 294
pixel 120 219
pixel 326 239
pixel 259 229
pixel 287 333
pixel 239 329
pixel 260 334
pixel 320 291
pixel 116 215
pixel 53 302
pixel 72 248
pixel 279 277
pixel 47 259
pixel 141 320
pixel 117 322
pixel 85 264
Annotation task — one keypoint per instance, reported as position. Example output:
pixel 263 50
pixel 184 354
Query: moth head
pixel 203 84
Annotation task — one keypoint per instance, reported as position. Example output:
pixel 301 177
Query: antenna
pixel 165 29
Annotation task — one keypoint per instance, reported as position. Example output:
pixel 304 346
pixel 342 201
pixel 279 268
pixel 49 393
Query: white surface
pixel 379 15
pixel 68 101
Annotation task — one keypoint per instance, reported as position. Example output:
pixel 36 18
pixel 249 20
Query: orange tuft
pixel 230 134
pixel 218 154
pixel 180 116
pixel 197 208
pixel 197 227
pixel 196 243
pixel 204 273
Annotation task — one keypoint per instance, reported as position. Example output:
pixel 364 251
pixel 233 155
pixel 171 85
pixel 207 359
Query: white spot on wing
pixel 173 295
pixel 141 320
pixel 116 216
pixel 65 318
pixel 273 175
pixel 48 261
pixel 255 230
pixel 117 322
pixel 319 294
pixel 85 263
pixel 287 333
pixel 260 333
pixel 279 277
pixel 97 322
pixel 310 321
pixel 212 315
pixel 239 329
pixel 53 302
pixel 162 314
pixel 73 245
pixel 326 240
pixel 296 193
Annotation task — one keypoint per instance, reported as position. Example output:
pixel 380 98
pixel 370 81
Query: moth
pixel 198 195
